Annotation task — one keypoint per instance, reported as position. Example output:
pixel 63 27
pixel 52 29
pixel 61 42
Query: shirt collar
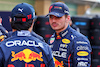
pixel 22 33
pixel 62 34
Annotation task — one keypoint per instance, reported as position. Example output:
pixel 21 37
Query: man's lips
pixel 54 24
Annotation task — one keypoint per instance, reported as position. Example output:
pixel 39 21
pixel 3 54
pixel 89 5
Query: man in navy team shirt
pixel 23 49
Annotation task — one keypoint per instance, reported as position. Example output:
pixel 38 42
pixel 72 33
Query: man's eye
pixel 51 16
pixel 58 17
pixel 54 17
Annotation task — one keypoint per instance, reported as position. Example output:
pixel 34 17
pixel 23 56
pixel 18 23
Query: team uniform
pixel 70 49
pixel 22 49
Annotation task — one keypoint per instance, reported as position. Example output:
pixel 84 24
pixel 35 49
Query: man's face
pixel 58 23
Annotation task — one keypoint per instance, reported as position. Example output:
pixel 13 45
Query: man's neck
pixel 13 30
pixel 62 29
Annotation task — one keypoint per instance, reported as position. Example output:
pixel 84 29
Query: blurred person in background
pixel 69 47
pixel 3 31
pixel 23 49
pixel 74 26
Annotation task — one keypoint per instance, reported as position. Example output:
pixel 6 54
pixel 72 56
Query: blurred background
pixel 85 14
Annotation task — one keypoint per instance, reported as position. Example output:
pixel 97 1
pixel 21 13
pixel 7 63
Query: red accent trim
pixel 25 64
pixel 58 36
pixel 50 8
pixel 29 16
pixel 31 65
pixel 11 65
pixel 69 60
pixel 42 65
pixel 23 19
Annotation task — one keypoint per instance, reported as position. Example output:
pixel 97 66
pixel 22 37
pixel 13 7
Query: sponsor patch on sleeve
pixel 82 53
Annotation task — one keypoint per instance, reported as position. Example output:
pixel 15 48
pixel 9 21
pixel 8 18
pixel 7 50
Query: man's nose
pixel 54 19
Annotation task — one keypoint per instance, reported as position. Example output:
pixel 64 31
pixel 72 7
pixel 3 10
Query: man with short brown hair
pixel 69 47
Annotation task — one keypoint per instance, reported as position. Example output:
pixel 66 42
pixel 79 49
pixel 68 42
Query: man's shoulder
pixel 77 35
pixel 24 41
pixel 37 36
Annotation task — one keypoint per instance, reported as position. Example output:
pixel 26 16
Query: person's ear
pixel 68 18
pixel 31 28
pixel 0 20
pixel 10 19
pixel 33 20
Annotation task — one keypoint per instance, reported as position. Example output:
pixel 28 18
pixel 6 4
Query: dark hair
pixel 21 25
pixel 66 15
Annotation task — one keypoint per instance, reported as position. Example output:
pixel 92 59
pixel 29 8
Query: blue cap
pixel 58 9
pixel 23 8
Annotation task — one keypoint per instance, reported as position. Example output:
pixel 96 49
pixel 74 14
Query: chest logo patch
pixel 66 41
pixel 52 40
